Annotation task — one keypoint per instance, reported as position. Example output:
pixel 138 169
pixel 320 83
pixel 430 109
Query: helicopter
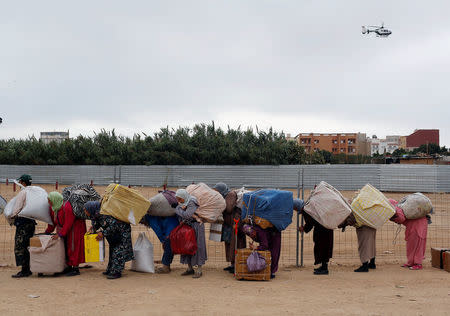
pixel 379 30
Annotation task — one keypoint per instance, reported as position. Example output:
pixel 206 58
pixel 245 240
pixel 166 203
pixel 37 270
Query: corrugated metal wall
pixel 396 178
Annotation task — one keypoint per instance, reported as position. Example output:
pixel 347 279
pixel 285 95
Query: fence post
pixel 302 221
pixel 298 211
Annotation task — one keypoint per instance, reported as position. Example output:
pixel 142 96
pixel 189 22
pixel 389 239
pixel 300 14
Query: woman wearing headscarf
pixel 187 205
pixel 118 235
pixel 70 228
pixel 231 214
pixel 415 236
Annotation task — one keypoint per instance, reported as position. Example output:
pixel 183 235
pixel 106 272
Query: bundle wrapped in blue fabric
pixel 276 206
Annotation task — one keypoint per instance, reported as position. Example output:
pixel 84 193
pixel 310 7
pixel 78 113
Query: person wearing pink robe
pixel 415 236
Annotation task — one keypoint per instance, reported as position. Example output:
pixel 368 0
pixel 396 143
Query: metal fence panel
pixel 443 178
pixel 409 178
pixel 395 178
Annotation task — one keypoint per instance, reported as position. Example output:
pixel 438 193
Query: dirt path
pixel 389 290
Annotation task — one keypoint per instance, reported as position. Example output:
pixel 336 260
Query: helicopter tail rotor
pixel 363 29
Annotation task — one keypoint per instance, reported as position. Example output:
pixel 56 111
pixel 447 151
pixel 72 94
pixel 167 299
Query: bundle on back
pixel 160 204
pixel 327 206
pixel 275 206
pixel 211 203
pixel 78 195
pixel 371 208
pixel 415 205
pixel 124 204
pixel 36 205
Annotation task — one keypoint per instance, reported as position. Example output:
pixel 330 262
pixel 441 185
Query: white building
pixel 47 137
pixel 382 146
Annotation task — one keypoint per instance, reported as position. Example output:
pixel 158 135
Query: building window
pixel 334 141
pixel 342 150
pixel 316 141
pixel 342 141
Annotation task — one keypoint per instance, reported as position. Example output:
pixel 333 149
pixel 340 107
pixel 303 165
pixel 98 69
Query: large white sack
pixel 327 206
pixel 160 206
pixel 50 257
pixel 143 255
pixel 415 205
pixel 211 203
pixel 36 205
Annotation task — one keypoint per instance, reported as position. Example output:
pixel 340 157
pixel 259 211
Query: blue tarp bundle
pixel 276 206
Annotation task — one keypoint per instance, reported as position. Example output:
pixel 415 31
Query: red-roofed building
pixel 422 137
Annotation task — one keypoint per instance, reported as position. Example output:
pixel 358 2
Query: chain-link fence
pixel 297 249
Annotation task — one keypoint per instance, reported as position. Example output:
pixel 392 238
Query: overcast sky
pixel 299 66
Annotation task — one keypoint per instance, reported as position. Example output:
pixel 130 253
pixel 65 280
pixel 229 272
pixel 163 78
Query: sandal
pixel 416 267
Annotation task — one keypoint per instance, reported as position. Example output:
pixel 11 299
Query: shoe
pixel 40 275
pixel 197 274
pixel 406 265
pixel 372 264
pixel 163 270
pixel 229 268
pixel 66 270
pixel 321 272
pixel 188 272
pixel 74 272
pixel 231 271
pixel 272 276
pixel 416 267
pixel 105 272
pixel 113 276
pixel 363 268
pixel 22 274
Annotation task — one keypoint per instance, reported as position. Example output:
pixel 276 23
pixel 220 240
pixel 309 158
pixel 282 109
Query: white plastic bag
pixel 143 255
pixel 36 205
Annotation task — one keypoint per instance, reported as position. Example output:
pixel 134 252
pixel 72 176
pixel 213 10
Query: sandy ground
pixel 389 290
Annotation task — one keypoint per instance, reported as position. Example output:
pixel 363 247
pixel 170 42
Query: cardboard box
pixel 35 242
pixel 241 271
pixel 436 257
pixel 125 204
pixel 446 261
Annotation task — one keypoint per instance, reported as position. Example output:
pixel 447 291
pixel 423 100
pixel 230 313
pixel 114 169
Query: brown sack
pixel 50 257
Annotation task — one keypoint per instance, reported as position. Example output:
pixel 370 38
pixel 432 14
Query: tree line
pixel 203 144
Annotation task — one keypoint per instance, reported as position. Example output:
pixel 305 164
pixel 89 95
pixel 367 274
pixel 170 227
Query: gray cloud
pixel 298 66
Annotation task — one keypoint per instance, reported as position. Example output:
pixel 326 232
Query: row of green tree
pixel 204 144
pixel 427 149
